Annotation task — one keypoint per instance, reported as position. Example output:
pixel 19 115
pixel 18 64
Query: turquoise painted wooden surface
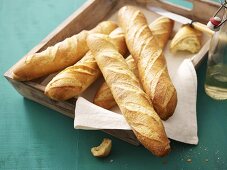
pixel 35 137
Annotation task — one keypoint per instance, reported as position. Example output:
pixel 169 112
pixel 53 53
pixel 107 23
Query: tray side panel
pixel 125 135
pixel 195 13
pixel 38 96
pixel 65 107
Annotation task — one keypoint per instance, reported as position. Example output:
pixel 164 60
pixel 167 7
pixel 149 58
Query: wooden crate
pixel 94 11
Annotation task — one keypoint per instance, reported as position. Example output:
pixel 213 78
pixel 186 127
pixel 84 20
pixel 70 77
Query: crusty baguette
pixel 150 60
pixel 186 39
pixel 59 56
pixel 133 102
pixel 161 29
pixel 77 78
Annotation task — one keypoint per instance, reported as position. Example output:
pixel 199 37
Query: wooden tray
pixel 86 17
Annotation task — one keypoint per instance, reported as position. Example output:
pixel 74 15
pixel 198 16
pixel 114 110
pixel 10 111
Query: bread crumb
pixel 103 149
pixel 189 160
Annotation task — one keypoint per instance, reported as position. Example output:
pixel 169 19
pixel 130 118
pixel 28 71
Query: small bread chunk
pixel 186 39
pixel 103 149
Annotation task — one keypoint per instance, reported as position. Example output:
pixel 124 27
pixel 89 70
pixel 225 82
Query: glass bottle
pixel 216 75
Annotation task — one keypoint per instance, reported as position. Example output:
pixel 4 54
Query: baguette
pixel 77 78
pixel 161 29
pixel 150 61
pixel 57 57
pixel 133 102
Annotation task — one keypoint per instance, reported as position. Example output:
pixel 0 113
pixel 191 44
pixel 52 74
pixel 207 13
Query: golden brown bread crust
pixel 103 96
pixel 59 56
pixel 133 102
pixel 161 29
pixel 77 78
pixel 74 79
pixel 150 60
pixel 186 39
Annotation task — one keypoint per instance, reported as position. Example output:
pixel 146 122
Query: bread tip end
pixel 16 77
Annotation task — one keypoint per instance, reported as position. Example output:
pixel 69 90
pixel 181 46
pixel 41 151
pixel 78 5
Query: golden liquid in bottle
pixel 216 76
pixel 216 81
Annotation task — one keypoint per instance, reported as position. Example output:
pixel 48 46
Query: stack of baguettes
pixel 140 84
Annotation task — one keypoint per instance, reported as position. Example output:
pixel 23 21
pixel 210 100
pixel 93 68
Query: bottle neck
pixel 223 27
pixel 224 15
